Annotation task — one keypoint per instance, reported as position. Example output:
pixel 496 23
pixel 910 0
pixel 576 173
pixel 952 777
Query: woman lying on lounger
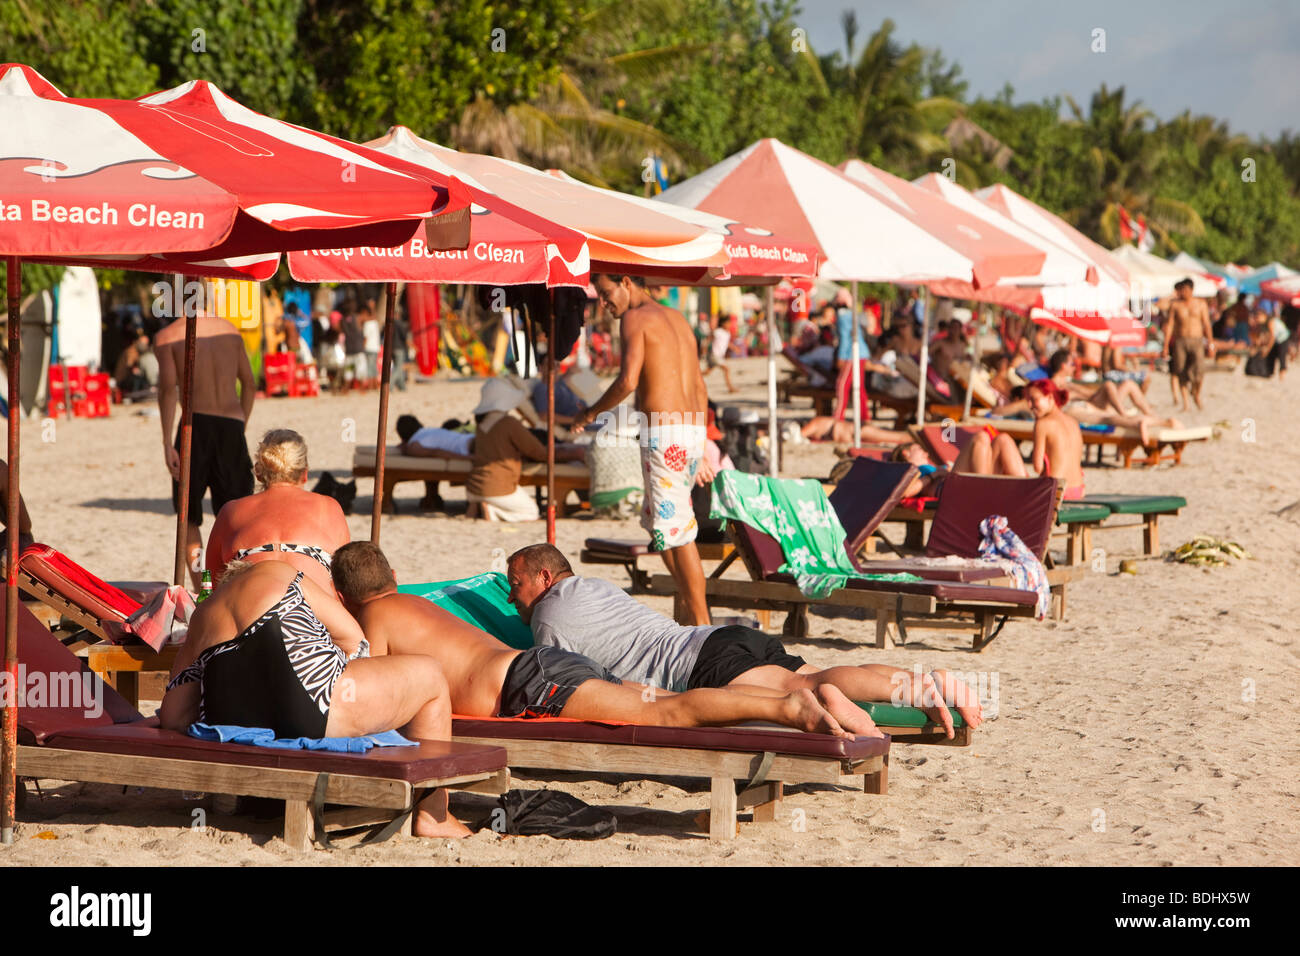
pixel 282 522
pixel 270 649
pixel 988 452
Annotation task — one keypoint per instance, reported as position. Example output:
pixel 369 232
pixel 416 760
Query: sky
pixel 1237 61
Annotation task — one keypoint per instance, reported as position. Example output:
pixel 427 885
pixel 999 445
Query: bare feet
pixel 1144 430
pixel 433 819
pixel 961 696
pixel 851 717
pixel 926 697
pixel 803 712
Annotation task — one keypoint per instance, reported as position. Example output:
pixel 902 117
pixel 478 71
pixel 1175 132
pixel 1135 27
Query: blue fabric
pixel 1032 373
pixel 997 540
pixel 1098 428
pixel 265 737
pixel 844 326
pixel 926 470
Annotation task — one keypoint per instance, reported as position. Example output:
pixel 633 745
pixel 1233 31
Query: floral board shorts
pixel 670 459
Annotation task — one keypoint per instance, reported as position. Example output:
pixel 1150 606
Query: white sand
pixel 1156 725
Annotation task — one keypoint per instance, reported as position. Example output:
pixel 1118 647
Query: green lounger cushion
pixel 888 715
pixel 1137 504
pixel 1074 513
pixel 481 601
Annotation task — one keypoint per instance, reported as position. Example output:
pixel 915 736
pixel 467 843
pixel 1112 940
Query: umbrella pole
pixel 9 693
pixel 187 430
pixel 970 377
pixel 381 438
pixel 550 421
pixel 857 371
pixel 925 356
pixel 773 432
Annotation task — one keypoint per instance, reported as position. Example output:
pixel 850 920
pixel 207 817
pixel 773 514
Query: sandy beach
pixel 1153 726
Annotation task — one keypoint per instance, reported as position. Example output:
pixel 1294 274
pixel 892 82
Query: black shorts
pixel 541 680
pixel 218 461
pixel 730 651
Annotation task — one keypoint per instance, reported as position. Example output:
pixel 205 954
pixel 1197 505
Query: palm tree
pixel 892 122
pixel 1124 161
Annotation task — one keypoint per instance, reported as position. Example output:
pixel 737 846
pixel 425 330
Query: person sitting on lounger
pixel 486 678
pixel 595 618
pixel 272 649
pixel 282 522
pixel 1058 443
pixel 501 443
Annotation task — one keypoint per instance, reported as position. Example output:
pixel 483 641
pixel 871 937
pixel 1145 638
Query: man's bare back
pixel 474 662
pixel 219 361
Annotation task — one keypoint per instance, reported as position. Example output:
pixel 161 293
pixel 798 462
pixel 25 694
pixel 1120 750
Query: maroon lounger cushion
pixel 754 739
pixel 620 547
pixel 431 759
pixel 866 495
pixel 1029 505
pixel 930 572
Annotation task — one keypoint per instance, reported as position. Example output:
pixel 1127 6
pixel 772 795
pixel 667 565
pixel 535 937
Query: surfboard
pixel 37 323
pixel 423 311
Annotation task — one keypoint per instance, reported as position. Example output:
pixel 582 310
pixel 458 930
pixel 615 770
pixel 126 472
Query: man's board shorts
pixel 218 461
pixel 541 680
pixel 732 650
pixel 670 459
pixel 1185 359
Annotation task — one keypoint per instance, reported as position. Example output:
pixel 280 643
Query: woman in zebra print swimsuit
pixel 272 649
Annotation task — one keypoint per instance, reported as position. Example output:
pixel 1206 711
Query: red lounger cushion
pixel 620 547
pixel 431 759
pixel 64 576
pixel 755 739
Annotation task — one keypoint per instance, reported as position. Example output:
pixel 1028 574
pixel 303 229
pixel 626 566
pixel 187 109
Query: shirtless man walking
pixel 218 453
pixel 661 366
pixel 487 678
pixel 1190 335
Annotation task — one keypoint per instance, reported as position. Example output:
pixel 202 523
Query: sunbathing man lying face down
pixel 593 617
pixel 269 649
pixel 488 679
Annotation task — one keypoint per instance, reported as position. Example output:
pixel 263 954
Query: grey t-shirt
pixel 595 617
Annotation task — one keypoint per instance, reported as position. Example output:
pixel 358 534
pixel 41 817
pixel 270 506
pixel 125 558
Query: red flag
pixel 1126 230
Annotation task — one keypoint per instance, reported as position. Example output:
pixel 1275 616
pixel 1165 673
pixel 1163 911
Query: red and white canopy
pixel 1060 266
pixel 860 235
pixel 1282 290
pixel 994 253
pixel 139 183
pixel 508 245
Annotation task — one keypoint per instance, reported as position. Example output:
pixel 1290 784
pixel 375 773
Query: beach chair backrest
pixel 945 452
pixel 57 697
pixel 866 495
pixel 75 584
pixel 1029 505
pixel 760 552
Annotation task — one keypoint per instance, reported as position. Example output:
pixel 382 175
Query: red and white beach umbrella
pixel 1282 290
pixel 509 245
pixel 994 253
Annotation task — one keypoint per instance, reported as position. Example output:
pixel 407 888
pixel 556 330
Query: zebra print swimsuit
pixel 317 554
pixel 279 672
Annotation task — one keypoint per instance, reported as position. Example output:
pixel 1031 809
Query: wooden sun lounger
pixel 119 746
pixel 629 553
pixel 1126 441
pixel 761 759
pixel 569 476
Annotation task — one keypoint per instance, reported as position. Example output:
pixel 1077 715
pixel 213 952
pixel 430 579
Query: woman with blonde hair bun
pixel 283 521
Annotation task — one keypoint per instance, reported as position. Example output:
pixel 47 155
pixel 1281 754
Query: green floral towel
pixel 797 514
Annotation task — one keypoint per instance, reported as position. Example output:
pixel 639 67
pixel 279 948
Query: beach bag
pixel 551 813
pixel 1257 365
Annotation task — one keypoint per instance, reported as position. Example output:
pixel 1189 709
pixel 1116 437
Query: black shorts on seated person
pixel 540 681
pixel 730 651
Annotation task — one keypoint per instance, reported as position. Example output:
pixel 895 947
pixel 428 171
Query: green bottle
pixel 205 589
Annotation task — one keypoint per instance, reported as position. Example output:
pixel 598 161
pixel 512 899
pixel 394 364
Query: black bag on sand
pixel 1258 365
pixel 551 813
pixel 343 493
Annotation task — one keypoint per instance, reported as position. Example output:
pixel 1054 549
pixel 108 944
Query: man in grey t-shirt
pixel 595 618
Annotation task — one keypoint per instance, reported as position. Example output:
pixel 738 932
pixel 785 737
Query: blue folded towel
pixel 265 737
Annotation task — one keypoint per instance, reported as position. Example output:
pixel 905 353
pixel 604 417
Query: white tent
pixel 1151 277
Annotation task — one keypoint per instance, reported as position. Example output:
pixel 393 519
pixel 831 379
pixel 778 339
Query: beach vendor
pixel 660 365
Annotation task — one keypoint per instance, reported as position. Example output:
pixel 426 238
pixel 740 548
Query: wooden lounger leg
pixel 882 627
pixel 764 619
pixel 722 809
pixel 298 826
pixel 1150 535
pixel 765 799
pixel 878 782
pixel 796 621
